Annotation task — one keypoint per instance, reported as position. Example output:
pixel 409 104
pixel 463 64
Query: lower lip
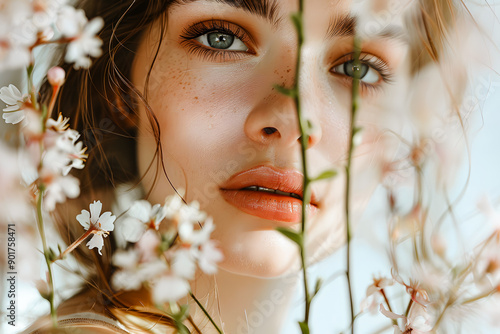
pixel 267 205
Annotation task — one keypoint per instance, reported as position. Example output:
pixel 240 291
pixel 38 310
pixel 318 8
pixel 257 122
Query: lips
pixel 268 192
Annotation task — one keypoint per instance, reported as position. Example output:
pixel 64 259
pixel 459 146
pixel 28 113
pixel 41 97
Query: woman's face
pixel 225 129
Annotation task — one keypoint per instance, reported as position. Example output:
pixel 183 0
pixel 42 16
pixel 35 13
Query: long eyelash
pixel 377 64
pixel 202 28
pixel 213 54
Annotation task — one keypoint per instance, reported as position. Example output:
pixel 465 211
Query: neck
pixel 242 304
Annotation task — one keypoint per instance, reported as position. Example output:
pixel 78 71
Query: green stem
pixel 41 230
pixel 481 296
pixel 408 308
pixel 304 142
pixel 388 304
pixel 206 313
pixel 31 87
pixel 354 109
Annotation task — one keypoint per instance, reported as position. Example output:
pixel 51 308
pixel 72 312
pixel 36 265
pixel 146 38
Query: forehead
pixel 370 17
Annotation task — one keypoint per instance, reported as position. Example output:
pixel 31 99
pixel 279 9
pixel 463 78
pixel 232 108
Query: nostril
pixel 269 130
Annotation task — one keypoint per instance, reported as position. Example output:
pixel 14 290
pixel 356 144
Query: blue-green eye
pixel 222 41
pixel 367 73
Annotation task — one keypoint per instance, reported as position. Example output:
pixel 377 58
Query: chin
pixel 263 254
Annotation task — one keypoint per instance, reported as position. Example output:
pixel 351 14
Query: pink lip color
pixel 263 204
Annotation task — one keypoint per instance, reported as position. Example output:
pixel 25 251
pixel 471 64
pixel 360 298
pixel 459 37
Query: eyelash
pixel 374 62
pixel 192 32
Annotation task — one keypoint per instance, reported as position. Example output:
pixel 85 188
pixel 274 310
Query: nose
pixel 274 121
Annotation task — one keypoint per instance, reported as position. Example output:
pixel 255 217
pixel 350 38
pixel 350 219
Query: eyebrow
pixel 345 26
pixel 267 9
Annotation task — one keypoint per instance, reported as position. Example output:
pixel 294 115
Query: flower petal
pixel 71 186
pixel 140 210
pixel 389 314
pixel 170 289
pixel 209 256
pixel 159 212
pixel 11 108
pixel 13 117
pixel 96 242
pixel 106 221
pixel 94 26
pixel 184 264
pixel 127 259
pixel 126 280
pixel 95 211
pixel 132 229
pixel 10 95
pixel 84 219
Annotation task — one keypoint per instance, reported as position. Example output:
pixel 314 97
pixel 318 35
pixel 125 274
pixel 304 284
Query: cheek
pixel 201 112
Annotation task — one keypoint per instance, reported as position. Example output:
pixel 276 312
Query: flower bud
pixel 56 76
pixel 43 288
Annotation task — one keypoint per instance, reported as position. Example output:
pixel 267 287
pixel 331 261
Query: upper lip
pixel 285 180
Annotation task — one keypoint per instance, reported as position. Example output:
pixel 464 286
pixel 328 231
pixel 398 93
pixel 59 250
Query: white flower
pixel 62 152
pixel 133 273
pixel 57 125
pixel 373 294
pixel 17 33
pixel 76 157
pixel 208 256
pixel 58 188
pixel 126 259
pixel 172 206
pixel 54 160
pixel 71 21
pixel 13 56
pixel 189 235
pixel 126 279
pixel 184 263
pixel 148 245
pixel 14 112
pixel 191 213
pixel 100 225
pixel 74 25
pixel 45 12
pixel 418 295
pixel 140 217
pixel 169 288
pixel 418 322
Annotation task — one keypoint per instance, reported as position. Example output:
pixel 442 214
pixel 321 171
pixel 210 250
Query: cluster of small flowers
pixel 25 24
pixel 169 242
pixel 37 173
pixel 441 288
pixel 416 320
pixel 51 149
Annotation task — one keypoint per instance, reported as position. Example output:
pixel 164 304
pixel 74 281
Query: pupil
pixel 350 69
pixel 220 40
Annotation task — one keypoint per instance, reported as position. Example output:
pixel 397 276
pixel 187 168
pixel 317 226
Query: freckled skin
pixel 211 113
